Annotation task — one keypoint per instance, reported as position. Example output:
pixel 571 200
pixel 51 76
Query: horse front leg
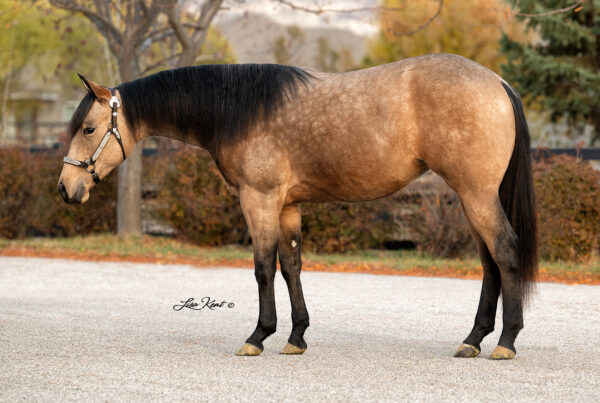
pixel 290 245
pixel 262 216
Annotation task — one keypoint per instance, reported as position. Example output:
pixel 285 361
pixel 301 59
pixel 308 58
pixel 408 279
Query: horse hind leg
pixel 289 248
pixel 488 301
pixel 486 215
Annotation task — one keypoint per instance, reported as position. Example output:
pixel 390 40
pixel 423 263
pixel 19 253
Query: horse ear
pixel 85 82
pixel 99 91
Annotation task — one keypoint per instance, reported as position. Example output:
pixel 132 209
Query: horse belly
pixel 353 176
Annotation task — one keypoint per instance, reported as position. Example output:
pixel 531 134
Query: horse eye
pixel 88 130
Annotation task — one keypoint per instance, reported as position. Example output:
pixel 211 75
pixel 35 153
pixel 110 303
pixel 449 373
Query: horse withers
pixel 282 136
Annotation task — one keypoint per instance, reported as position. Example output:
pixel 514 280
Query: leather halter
pixel 112 129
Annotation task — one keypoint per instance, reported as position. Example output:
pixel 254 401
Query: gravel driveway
pixel 73 330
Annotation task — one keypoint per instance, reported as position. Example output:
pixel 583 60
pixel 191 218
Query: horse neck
pixel 175 134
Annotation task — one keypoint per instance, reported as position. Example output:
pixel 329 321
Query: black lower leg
pixel 265 267
pixel 512 307
pixel 512 311
pixel 290 268
pixel 488 301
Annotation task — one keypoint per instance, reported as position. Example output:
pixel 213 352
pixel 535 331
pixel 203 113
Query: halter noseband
pixel 112 129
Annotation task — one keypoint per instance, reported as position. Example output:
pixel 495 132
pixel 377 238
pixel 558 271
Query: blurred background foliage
pixel 43 47
pixel 553 59
pixel 470 28
pixel 31 206
pixel 46 44
pixel 560 70
pixel 193 199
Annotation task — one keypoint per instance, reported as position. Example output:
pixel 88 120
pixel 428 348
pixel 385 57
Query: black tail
pixel 518 198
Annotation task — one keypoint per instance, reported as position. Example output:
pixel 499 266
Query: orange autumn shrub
pixel 193 198
pixel 30 204
pixel 568 198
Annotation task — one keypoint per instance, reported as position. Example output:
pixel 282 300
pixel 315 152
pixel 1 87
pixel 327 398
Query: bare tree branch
pixel 191 43
pixel 422 26
pixel 322 10
pixel 118 11
pixel 104 24
pixel 546 13
pixel 209 10
pixel 144 23
pixel 160 62
pixel 182 36
pixel 159 34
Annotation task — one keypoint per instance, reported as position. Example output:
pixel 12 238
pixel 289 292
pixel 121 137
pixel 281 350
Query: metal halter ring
pixel 114 101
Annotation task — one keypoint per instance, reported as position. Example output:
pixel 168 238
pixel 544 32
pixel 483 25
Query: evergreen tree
pixel 559 71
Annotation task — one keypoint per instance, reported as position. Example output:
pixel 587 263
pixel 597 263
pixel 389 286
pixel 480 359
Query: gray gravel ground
pixel 107 331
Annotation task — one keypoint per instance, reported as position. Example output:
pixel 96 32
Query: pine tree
pixel 560 70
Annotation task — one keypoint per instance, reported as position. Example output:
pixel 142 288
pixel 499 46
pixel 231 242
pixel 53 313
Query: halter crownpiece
pixel 115 104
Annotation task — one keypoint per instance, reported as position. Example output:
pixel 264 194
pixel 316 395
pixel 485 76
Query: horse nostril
pixel 63 191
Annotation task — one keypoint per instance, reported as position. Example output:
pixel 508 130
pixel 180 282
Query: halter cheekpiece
pixel 112 129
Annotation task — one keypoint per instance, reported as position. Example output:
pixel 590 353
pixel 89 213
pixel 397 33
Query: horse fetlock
pixel 297 336
pixel 266 329
pixel 302 323
pixel 514 328
pixel 482 332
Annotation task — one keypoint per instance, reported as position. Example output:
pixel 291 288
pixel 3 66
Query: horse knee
pixel 290 270
pixel 264 275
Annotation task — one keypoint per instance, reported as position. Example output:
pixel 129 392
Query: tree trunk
pixel 129 219
pixel 7 82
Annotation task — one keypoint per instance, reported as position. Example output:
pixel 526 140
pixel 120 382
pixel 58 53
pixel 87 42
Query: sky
pixel 362 23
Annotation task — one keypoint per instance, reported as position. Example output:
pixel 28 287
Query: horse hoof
pixel 502 353
pixel 467 351
pixel 291 349
pixel 249 349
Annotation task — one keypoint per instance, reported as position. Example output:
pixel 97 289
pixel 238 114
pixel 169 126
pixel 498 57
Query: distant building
pixel 35 119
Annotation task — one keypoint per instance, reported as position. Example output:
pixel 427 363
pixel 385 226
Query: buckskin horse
pixel 283 135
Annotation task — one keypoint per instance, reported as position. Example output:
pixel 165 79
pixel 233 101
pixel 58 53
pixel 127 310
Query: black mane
pixel 212 103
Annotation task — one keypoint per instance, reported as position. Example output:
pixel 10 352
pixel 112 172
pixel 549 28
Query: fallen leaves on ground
pixel 564 277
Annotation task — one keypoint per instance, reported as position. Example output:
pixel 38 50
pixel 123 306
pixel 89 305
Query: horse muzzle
pixel 77 198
